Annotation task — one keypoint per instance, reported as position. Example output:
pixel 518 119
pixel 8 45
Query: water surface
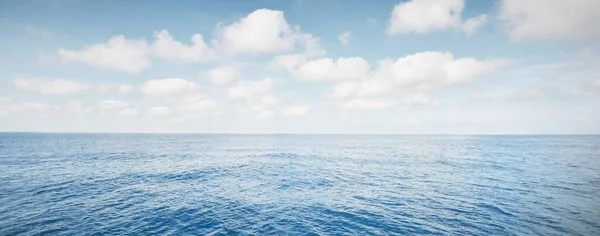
pixel 84 184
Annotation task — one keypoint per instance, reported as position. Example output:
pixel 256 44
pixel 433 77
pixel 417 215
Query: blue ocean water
pixel 85 184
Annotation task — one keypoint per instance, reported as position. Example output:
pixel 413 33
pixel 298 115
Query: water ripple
pixel 298 184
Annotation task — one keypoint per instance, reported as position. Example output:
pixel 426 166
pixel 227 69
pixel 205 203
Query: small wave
pixel 494 209
pixel 344 185
pixel 56 187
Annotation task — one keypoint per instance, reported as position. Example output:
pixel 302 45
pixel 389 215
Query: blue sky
pixel 333 66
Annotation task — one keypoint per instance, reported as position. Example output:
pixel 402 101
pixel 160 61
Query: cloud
pixel 265 114
pixel 191 107
pixel 223 75
pixel 366 104
pixel 8 107
pixel 250 89
pixel 420 100
pixel 324 69
pixel 102 89
pixel 185 100
pixel 424 16
pixel 575 20
pixel 40 108
pixel 344 89
pixel 576 79
pixel 120 108
pixel 473 24
pixel 265 31
pixel 167 48
pixel 362 88
pixel 261 108
pixel 425 70
pixel 134 56
pixel 119 53
pixel 78 107
pixel 289 62
pixel 296 110
pixel 159 111
pixel 50 87
pixel 386 102
pixel 113 105
pixel 196 105
pixel 35 106
pixel 125 88
pixel 262 31
pixel 128 112
pixel 258 97
pixel 345 37
pixel 402 81
pixel 311 45
pixel 268 100
pixel 257 112
pixel 168 87
pixel 434 69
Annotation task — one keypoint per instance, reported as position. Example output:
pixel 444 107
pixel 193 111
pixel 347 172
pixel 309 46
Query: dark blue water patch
pixel 53 187
pixel 113 184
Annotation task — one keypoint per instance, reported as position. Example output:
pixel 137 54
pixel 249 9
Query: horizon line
pixel 233 133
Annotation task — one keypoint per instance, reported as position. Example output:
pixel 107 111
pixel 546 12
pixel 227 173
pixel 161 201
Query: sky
pixel 301 66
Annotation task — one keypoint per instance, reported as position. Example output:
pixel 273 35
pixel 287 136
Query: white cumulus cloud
pixel 344 89
pixel 398 81
pixel 223 75
pixel 423 16
pixel 262 31
pixel 289 62
pixel 434 69
pixel 329 69
pixel 119 53
pixel 167 48
pixel 425 70
pixel 575 20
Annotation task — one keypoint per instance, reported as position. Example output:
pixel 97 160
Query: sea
pixel 230 184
